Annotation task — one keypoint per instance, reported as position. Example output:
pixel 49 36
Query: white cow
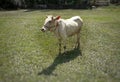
pixel 63 28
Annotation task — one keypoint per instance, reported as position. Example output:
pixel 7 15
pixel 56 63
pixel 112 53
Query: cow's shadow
pixel 61 58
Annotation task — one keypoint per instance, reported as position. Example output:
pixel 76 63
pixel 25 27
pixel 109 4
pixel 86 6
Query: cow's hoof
pixel 59 53
pixel 64 47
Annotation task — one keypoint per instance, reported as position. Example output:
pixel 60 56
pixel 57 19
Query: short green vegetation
pixel 28 55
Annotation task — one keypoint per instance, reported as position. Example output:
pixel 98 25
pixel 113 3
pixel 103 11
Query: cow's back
pixel 77 19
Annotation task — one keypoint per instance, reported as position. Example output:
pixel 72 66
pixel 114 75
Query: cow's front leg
pixel 64 47
pixel 59 46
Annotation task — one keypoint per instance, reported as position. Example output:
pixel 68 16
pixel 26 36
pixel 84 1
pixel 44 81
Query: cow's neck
pixel 57 30
pixel 55 27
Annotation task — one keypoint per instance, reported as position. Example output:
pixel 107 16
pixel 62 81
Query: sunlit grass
pixel 28 55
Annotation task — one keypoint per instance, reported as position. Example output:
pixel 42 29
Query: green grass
pixel 28 55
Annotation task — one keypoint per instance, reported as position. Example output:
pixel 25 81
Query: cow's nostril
pixel 42 30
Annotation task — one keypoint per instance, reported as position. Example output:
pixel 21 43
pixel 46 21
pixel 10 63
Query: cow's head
pixel 49 23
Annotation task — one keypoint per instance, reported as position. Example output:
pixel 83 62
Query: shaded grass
pixel 60 59
pixel 28 55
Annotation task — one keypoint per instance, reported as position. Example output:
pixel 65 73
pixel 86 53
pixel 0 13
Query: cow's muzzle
pixel 43 29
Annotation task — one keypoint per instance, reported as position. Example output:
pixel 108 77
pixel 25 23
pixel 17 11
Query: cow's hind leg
pixel 78 40
pixel 64 46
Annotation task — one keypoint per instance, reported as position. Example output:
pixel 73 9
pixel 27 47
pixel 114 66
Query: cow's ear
pixel 58 17
pixel 46 16
pixel 52 17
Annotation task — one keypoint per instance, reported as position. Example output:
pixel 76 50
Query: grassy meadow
pixel 28 55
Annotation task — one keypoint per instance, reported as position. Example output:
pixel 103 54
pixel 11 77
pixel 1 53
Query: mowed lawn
pixel 28 55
